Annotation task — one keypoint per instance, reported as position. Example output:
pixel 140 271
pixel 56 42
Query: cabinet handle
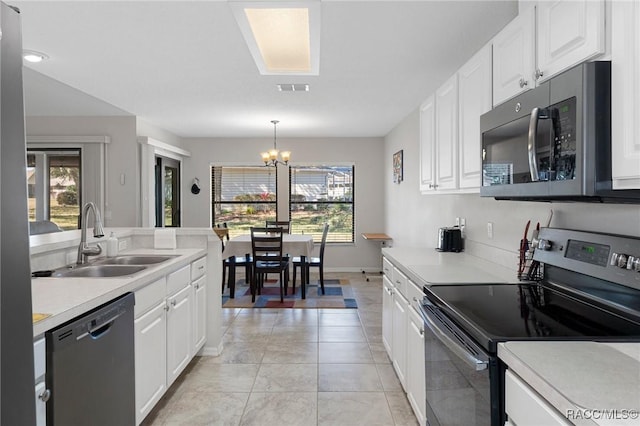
pixel 538 74
pixel 523 83
pixel 201 267
pixel 422 331
pixel 45 395
pixel 197 286
pixel 173 302
pixel 166 308
pixel 415 299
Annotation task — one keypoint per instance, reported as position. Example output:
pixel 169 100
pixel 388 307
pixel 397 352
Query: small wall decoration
pixel 397 167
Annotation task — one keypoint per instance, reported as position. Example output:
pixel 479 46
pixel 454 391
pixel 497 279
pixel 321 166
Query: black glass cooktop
pixel 500 312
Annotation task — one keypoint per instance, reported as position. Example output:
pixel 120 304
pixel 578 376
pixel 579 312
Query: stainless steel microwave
pixel 553 142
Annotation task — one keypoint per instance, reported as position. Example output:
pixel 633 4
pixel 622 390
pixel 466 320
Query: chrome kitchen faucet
pixel 84 250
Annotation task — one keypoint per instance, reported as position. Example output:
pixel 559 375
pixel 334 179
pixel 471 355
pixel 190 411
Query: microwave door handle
pixel 449 341
pixel 531 146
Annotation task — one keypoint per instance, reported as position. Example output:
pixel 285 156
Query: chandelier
pixel 270 158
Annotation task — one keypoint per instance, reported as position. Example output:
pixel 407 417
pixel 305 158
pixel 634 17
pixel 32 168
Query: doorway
pixel 167 192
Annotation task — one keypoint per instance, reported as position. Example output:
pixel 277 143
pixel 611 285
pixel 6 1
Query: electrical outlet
pixel 490 230
pixel 122 245
pixel 463 222
pixel 457 221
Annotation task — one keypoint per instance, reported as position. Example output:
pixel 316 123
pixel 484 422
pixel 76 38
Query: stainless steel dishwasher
pixel 90 367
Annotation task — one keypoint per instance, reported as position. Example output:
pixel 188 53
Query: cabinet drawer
pixel 198 268
pixel 414 294
pixel 400 280
pixel 178 279
pixel 387 268
pixel 149 295
pixel 525 407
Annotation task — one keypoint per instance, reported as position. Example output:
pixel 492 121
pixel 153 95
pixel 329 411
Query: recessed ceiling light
pixel 283 36
pixel 33 56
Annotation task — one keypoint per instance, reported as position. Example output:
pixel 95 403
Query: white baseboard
pixel 211 350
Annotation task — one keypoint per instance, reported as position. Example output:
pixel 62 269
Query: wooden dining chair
pixel 284 224
pixel 266 246
pixel 229 264
pixel 316 262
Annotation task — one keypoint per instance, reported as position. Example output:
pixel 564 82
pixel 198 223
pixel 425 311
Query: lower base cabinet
pixel 416 386
pixel 151 359
pixel 170 327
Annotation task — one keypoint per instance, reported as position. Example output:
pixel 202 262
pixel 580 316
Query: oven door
pixel 459 385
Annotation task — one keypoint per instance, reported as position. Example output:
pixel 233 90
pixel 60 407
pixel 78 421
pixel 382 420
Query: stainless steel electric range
pixel 589 290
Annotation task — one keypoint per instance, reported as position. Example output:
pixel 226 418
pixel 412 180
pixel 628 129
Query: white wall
pixel 413 219
pixel 366 153
pixel 122 200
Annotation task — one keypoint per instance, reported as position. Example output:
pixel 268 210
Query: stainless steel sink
pixel 100 271
pixel 134 260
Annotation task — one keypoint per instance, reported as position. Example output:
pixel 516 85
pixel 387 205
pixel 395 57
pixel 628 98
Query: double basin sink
pixel 110 267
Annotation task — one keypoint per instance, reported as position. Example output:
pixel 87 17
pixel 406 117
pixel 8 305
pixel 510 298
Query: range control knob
pixel 633 263
pixel 544 244
pixel 619 260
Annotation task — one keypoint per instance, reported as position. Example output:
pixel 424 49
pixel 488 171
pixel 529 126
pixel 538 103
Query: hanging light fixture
pixel 270 157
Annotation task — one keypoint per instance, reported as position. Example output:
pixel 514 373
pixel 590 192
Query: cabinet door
pixel 399 346
pixel 199 313
pixel 474 99
pixel 446 143
pixel 427 144
pixel 514 51
pixel 569 32
pixel 151 359
pixel 416 390
pixel 525 407
pixel 387 315
pixel 179 331
pixel 41 404
pixel 625 96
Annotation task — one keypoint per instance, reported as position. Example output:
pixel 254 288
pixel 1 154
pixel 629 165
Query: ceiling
pixel 184 66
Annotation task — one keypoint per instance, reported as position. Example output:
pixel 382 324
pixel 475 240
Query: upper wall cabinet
pixel 569 32
pixel 625 95
pixel 530 50
pixel 514 57
pixel 446 143
pixel 474 99
pixel 427 144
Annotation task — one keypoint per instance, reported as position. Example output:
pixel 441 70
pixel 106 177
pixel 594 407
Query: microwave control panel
pixel 563 165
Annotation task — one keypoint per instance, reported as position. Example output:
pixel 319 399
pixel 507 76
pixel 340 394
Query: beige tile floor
pixel 294 367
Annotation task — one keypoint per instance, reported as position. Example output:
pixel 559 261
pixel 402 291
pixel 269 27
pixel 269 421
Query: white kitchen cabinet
pixel 199 313
pixel 568 32
pixel 525 407
pixel 399 345
pixel 387 314
pixel 446 140
pixel 199 296
pixel 151 358
pixel 416 387
pixel 514 53
pixel 179 333
pixel 41 392
pixel 427 144
pixel 625 94
pixel 474 99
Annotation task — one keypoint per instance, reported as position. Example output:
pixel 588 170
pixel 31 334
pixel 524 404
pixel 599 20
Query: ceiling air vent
pixel 289 87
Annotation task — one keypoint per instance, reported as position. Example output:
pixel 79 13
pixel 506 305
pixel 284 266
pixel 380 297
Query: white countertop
pixel 580 375
pixel 65 298
pixel 431 267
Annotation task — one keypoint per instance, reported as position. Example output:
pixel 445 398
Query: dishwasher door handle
pixel 100 330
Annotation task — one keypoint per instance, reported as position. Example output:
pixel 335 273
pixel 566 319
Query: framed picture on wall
pixel 397 167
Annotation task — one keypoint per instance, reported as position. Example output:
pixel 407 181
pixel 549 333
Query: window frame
pixel 215 203
pixel 352 203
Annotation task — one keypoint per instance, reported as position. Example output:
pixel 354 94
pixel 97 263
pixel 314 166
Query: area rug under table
pixel 338 294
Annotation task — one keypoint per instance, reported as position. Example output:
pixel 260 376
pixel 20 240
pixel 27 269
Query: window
pixel 322 194
pixel 53 182
pixel 243 196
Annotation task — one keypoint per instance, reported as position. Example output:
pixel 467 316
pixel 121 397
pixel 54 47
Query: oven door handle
pixel 452 342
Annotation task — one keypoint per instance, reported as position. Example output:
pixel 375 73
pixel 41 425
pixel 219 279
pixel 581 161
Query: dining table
pixel 292 244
